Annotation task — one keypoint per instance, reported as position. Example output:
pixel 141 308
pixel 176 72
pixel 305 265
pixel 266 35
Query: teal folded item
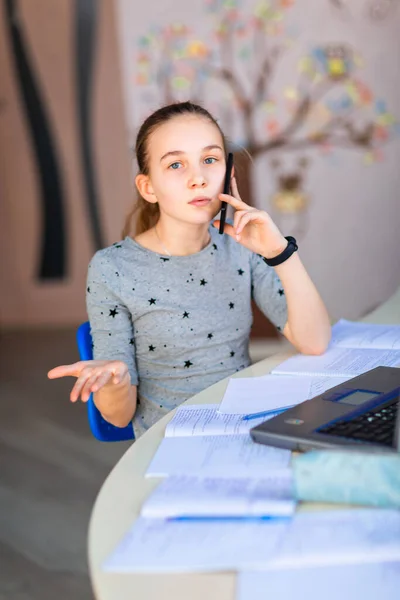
pixel 348 477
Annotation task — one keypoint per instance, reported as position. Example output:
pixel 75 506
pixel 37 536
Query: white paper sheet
pixel 377 581
pixel 342 362
pixel 249 395
pixel 195 496
pixel 350 334
pixel 340 537
pixel 155 545
pixel 325 538
pixel 216 456
pixel 204 419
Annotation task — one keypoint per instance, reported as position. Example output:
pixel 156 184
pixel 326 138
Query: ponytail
pixel 143 216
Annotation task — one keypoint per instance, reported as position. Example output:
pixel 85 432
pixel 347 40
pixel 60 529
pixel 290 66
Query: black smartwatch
pixel 288 251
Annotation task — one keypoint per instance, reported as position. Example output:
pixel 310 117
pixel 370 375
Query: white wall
pixel 350 246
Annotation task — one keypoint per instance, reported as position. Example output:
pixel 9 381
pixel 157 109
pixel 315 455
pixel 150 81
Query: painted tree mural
pixel 378 10
pixel 231 72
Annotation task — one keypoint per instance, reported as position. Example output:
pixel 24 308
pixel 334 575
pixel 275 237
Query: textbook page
pixel 216 456
pixel 349 334
pixel 250 395
pixel 339 362
pixel 340 537
pixel 158 545
pixel 374 581
pixel 204 419
pixel 193 496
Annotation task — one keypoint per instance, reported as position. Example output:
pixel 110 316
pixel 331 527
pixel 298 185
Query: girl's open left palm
pixel 251 227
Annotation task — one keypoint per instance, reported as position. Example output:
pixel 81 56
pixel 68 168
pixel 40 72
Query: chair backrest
pixel 101 429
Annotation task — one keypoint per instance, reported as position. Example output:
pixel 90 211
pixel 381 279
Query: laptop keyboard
pixel 376 426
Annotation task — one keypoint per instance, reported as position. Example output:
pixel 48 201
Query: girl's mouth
pixel 200 201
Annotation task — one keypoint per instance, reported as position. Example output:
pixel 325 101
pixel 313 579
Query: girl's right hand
pixel 92 375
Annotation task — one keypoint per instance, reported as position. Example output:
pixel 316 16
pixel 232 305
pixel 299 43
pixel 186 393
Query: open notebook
pixel 355 348
pixel 349 334
pixel 209 497
pixel 199 440
pixel 314 539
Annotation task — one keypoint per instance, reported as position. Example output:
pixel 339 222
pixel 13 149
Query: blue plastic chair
pixel 101 429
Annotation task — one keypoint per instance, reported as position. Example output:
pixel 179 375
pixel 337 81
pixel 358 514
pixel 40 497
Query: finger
pixel 245 218
pixel 68 370
pixel 80 382
pixel 234 188
pixel 236 218
pixel 237 203
pixel 228 229
pixel 120 372
pixel 86 390
pixel 101 381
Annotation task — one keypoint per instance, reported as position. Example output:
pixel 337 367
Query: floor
pixel 51 469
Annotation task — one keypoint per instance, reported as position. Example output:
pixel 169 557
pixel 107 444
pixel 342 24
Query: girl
pixel 170 307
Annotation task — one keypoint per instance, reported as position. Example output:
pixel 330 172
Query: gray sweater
pixel 180 323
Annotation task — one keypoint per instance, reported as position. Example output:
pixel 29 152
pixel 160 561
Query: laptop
pixel 362 412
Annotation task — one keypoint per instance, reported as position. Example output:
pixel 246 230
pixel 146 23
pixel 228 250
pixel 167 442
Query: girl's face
pixel 186 169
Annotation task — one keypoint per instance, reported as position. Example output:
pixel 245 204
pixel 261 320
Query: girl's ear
pixel 145 188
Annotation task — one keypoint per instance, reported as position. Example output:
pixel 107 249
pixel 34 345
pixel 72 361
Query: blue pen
pixel 266 413
pixel 212 518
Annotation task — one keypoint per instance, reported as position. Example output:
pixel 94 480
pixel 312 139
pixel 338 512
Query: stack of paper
pixel 349 334
pixel 340 582
pixel 270 393
pixel 227 502
pixel 339 362
pixel 308 540
pixel 158 545
pixel 192 496
pixel 340 537
pixel 198 440
pixel 354 349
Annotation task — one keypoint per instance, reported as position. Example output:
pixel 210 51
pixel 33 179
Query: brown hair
pixel 146 213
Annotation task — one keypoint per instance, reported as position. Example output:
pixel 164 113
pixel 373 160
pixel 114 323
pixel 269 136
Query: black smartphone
pixel 226 190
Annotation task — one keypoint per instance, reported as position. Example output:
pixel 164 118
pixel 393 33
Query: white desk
pixel 125 489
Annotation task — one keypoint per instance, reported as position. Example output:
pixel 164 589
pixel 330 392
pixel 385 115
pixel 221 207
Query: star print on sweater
pixel 281 292
pixel 154 326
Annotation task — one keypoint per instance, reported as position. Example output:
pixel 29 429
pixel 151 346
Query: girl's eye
pixel 174 166
pixel 210 160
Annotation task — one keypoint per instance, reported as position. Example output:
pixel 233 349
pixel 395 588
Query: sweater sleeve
pixel 110 320
pixel 267 292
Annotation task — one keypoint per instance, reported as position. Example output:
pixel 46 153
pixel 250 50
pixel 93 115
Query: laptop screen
pixel 396 440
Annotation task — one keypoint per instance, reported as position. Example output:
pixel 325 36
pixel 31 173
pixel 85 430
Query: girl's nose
pixel 197 180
